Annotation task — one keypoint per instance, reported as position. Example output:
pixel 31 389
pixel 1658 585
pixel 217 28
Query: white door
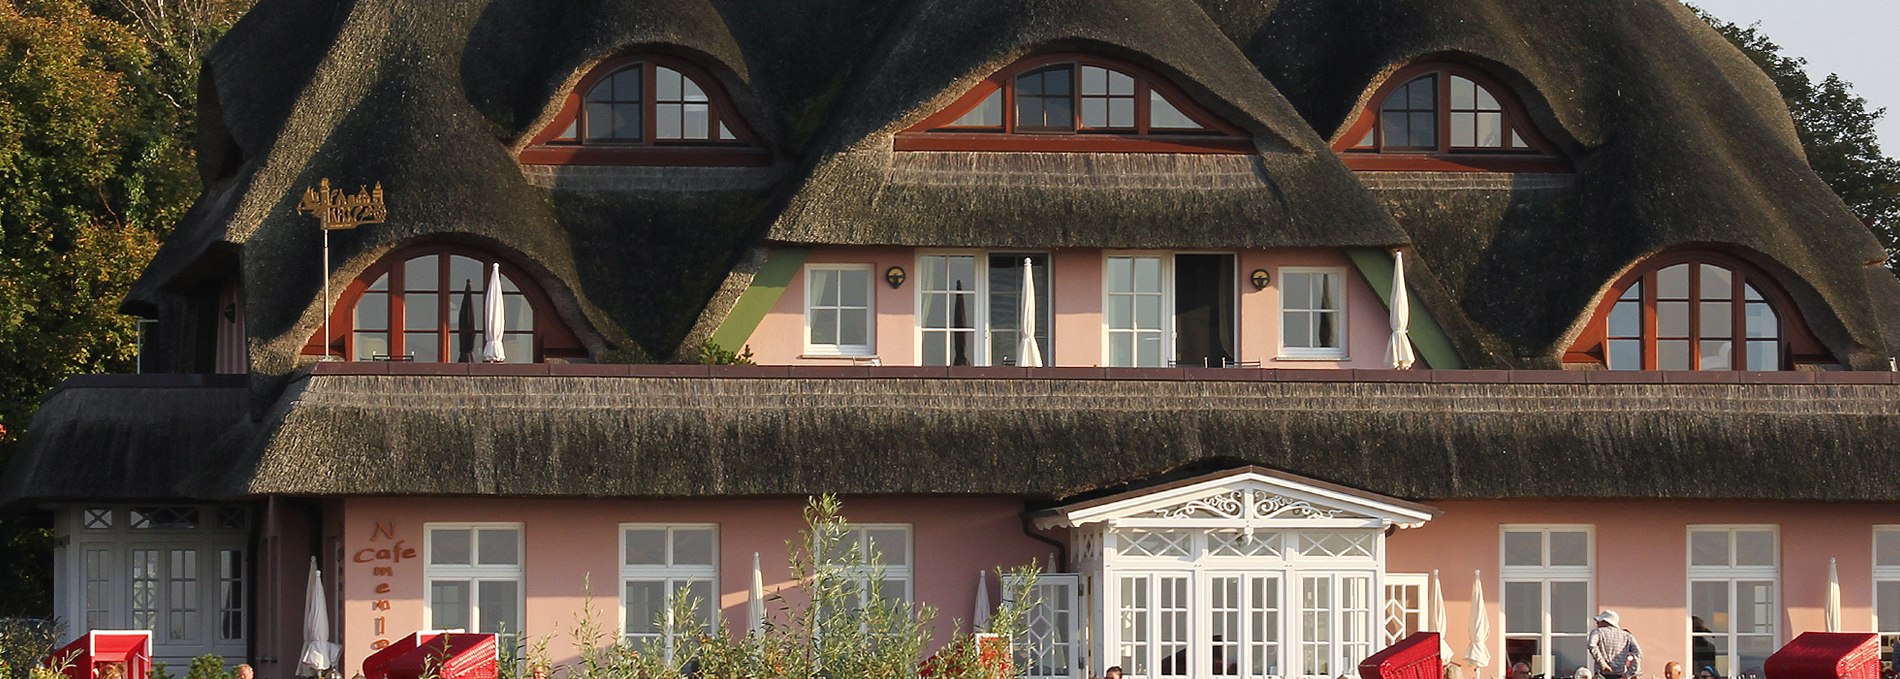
pixel 1053 625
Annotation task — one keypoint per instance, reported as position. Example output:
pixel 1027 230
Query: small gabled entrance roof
pixel 1248 497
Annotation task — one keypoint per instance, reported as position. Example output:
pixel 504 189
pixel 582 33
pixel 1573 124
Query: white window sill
pixel 1313 357
pixel 836 356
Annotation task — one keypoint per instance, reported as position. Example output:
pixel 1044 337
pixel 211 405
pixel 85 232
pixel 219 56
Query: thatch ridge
pixel 131 440
pixel 646 437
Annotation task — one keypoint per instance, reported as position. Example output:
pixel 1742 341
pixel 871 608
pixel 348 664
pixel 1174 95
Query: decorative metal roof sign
pixel 338 211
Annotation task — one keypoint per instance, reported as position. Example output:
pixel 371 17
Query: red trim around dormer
pixel 543 149
pixel 1542 156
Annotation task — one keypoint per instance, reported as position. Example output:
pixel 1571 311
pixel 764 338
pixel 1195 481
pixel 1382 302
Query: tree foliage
pixel 97 108
pixel 1836 129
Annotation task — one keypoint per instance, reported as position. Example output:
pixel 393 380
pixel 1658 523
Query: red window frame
pixel 937 132
pixel 1542 156
pixel 545 148
pixel 552 339
pixel 1798 345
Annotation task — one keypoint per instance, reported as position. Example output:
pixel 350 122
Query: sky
pixel 1853 38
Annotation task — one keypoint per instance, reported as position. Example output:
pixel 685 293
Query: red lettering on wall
pixel 396 553
pixel 383 572
pixel 383 530
pixel 379 605
pixel 382 588
pixel 380 644
pixel 382 625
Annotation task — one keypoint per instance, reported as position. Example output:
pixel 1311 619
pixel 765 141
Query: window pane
pixel 1761 322
pixel 1672 355
pixel 1424 130
pixel 1887 605
pixel 1755 611
pixel 824 288
pixel 1716 282
pixel 1094 80
pixel 1764 355
pixel 1754 548
pixel 1524 548
pixel 691 91
pixel 1633 293
pixel 1393 126
pixel 854 327
pixel 519 347
pixel 1490 130
pixel 696 122
pixel 989 113
pixel 700 596
pixel 1672 319
pixel 1887 551
pixel 854 288
pixel 1147 274
pixel 1297 329
pixel 693 546
pixel 421 311
pixel 371 345
pixel 420 273
pixel 1163 114
pixel 1673 282
pixel 600 121
pixel 448 604
pixel 892 545
pixel 1708 606
pixel 372 311
pixel 1464 93
pixel 1523 607
pixel 1148 350
pixel 1626 354
pixel 1121 349
pixel 1570 607
pixel 1708 548
pixel 1716 356
pixel 500 603
pixel 1121 112
pixel 1424 93
pixel 499 546
pixel 423 347
pixel 1717 320
pixel 1464 130
pixel 449 546
pixel 646 546
pixel 626 122
pixel 1121 84
pixel 666 120
pixel 1569 548
pixel 1095 113
pixel 666 83
pixel 646 606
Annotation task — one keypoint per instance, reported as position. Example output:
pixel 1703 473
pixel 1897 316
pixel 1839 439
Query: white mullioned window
pixel 1136 311
pixel 1549 580
pixel 885 556
pixel 839 314
pixel 1404 605
pixel 659 563
pixel 1887 587
pixel 1312 313
pixel 177 570
pixel 969 308
pixel 1734 592
pixel 475 577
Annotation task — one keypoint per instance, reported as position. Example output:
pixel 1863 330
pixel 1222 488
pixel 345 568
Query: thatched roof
pixel 433 99
pixel 1677 139
pixel 780 431
pixel 133 437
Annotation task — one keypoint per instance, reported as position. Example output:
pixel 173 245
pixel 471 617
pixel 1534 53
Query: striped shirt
pixel 1614 651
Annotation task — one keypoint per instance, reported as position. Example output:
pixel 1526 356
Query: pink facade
pixel 1640 550
pixel 1077 276
pixel 571 549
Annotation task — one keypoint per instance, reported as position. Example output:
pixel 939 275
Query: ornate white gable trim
pixel 1244 498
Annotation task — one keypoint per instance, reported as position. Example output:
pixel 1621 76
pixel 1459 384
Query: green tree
pixel 1837 130
pixel 97 108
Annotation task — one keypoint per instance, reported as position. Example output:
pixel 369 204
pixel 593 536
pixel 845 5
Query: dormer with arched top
pixel 1443 116
pixel 1075 103
pixel 646 109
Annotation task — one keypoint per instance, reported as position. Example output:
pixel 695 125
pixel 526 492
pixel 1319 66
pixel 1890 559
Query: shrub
pixel 24 642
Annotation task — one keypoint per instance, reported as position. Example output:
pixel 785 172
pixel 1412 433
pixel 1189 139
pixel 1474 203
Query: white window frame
pixel 1411 619
pixel 1545 575
pixel 112 542
pixel 881 570
pixel 672 577
pixel 1889 630
pixel 1169 329
pixel 474 574
pixel 1731 574
pixel 1342 352
pixel 870 312
pixel 980 311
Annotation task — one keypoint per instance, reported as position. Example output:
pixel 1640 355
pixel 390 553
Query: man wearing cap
pixel 1613 650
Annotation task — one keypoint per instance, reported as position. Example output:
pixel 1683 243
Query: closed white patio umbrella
pixel 1833 595
pixel 981 618
pixel 494 324
pixel 755 605
pixel 1028 351
pixel 1436 615
pixel 1477 655
pixel 319 653
pixel 1398 349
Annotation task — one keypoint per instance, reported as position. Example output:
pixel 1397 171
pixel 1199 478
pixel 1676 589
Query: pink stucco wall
pixel 1641 562
pixel 1077 277
pixel 572 546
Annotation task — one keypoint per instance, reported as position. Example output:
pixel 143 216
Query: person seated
pixel 1113 673
pixel 1519 670
pixel 1584 673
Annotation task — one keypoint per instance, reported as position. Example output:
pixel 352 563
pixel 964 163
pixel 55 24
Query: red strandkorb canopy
pixel 437 654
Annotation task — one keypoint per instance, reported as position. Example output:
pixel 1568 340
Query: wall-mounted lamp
pixel 895 276
pixel 230 313
pixel 1259 278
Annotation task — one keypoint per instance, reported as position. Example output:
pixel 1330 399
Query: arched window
pixel 646 110
pixel 426 304
pixel 1445 117
pixel 1697 311
pixel 1074 103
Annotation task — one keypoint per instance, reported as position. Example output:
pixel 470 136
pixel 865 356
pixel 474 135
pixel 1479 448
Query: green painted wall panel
pixel 781 264
pixel 1428 338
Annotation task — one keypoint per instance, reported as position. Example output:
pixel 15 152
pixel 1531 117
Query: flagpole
pixel 326 291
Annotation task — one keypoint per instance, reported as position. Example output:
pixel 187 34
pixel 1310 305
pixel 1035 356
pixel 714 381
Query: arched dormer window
pixel 1446 117
pixel 425 304
pixel 1697 311
pixel 646 110
pixel 1074 103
